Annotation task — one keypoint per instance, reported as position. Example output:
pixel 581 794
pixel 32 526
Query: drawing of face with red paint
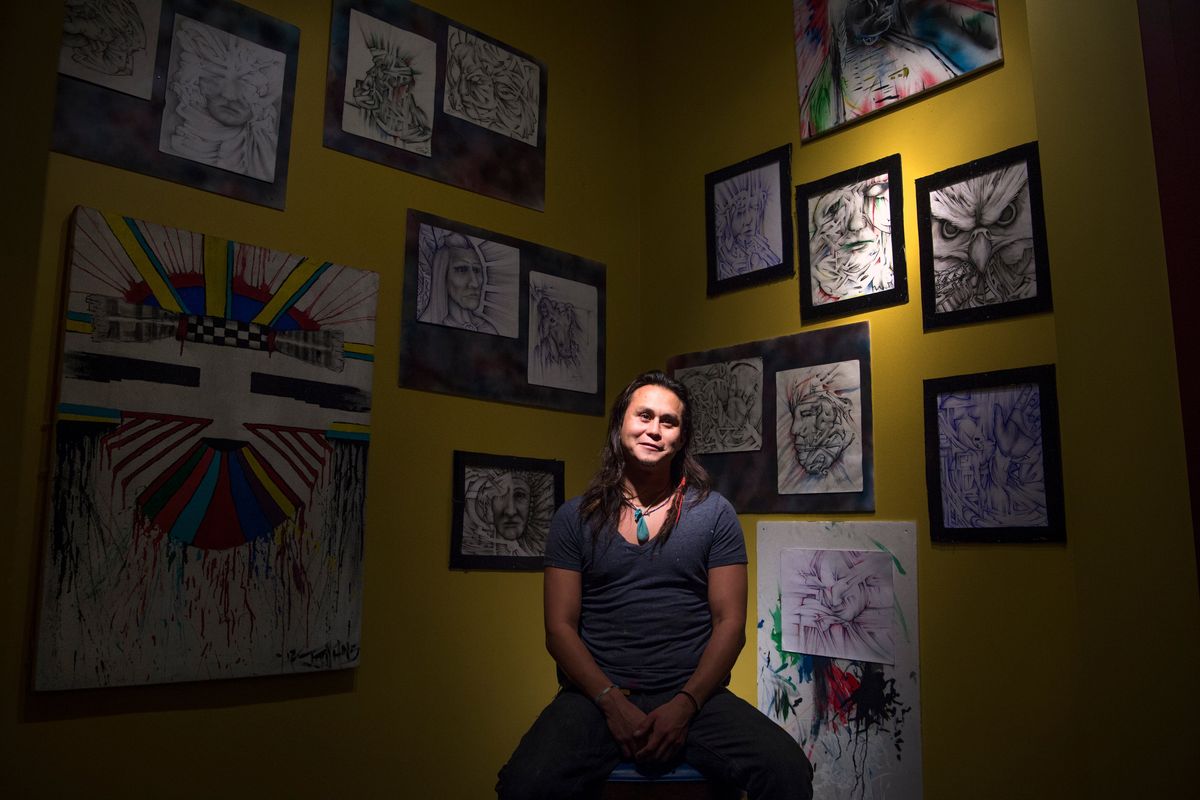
pixel 850 241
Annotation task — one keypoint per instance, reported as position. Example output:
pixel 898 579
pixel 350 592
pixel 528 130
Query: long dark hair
pixel 601 504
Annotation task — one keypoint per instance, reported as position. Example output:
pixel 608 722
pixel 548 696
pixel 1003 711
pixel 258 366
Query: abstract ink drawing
pixel 111 43
pixel 491 87
pixel 838 603
pixel 467 282
pixel 223 97
pixel 390 79
pixel 562 333
pixel 726 401
pixel 850 241
pixel 749 230
pixel 210 465
pixel 819 429
pixel 507 512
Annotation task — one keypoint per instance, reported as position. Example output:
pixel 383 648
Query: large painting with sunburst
pixel 210 460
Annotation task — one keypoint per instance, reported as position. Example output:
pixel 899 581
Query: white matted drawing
pixel 726 401
pixel 491 87
pixel 467 282
pixel 563 329
pixel 818 429
pixel 111 43
pixel 837 603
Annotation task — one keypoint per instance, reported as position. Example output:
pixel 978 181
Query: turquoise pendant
pixel 643 530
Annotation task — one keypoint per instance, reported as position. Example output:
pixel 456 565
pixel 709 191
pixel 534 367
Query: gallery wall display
pixel 993 466
pixel 211 437
pixel 852 255
pixel 194 91
pixel 982 229
pixel 748 215
pixel 497 318
pixel 838 652
pixel 502 510
pixel 784 425
pixel 419 92
pixel 855 58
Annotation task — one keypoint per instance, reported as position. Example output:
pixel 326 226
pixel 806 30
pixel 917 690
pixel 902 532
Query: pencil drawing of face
pixel 562 333
pixel 820 416
pixel 223 100
pixel 982 234
pixel 491 87
pixel 747 221
pixel 838 603
pixel 726 405
pixel 507 511
pixel 466 282
pixel 850 241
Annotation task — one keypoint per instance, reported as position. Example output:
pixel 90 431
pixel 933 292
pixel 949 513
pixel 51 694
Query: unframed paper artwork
pixel 210 465
pixel 390 78
pixel 838 603
pixel 562 333
pixel 468 282
pixel 859 721
pixel 506 512
pixel 726 401
pixel 850 241
pixel 222 103
pixel 749 230
pixel 111 43
pixel 819 429
pixel 491 87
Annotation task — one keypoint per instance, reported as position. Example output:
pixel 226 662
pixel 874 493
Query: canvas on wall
pixel 200 93
pixel 815 452
pixel 413 90
pixel 494 317
pixel 838 652
pixel 855 58
pixel 211 438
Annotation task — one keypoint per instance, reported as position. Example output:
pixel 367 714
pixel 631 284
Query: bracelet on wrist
pixel 691 697
pixel 605 691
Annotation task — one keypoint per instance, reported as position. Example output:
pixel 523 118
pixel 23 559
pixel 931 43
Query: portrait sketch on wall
pixel 491 87
pixel 983 240
pixel 857 719
pixel 856 57
pixel 222 101
pixel 853 256
pixel 748 214
pixel 726 400
pixel 562 333
pixel 837 603
pixel 993 467
pixel 818 429
pixel 390 79
pixel 467 282
pixel 111 43
pixel 502 510
pixel 211 438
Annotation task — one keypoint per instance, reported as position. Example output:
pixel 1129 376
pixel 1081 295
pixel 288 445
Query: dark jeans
pixel 569 751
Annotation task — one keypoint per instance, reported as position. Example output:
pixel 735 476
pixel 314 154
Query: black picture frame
pixel 724 275
pixel 966 447
pixel 941 304
pixel 479 478
pixel 840 198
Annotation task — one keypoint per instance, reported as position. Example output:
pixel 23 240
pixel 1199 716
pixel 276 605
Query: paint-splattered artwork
pixel 818 428
pixel 491 86
pixel 111 43
pixel 222 101
pixel 218 112
pixel 563 326
pixel 993 462
pixel 416 91
pixel 856 57
pixel 467 282
pixel 838 603
pixel 210 460
pixel 858 719
pixel 726 400
pixel 390 80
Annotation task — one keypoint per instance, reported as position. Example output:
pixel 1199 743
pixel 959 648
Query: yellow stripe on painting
pixel 85 418
pixel 78 326
pixel 158 286
pixel 215 276
pixel 269 484
pixel 359 347
pixel 283 296
pixel 350 427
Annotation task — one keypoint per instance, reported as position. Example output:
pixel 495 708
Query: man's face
pixel 224 97
pixel 464 278
pixel 853 223
pixel 652 432
pixel 510 506
pixel 745 210
pixel 819 435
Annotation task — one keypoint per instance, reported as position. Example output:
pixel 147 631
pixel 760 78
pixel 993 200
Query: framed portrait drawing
pixel 983 240
pixel 852 258
pixel 749 222
pixel 502 510
pixel 993 466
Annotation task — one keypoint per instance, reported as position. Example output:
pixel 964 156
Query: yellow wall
pixel 1061 671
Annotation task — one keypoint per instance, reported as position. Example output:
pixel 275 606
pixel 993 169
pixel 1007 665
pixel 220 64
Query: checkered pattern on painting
pixel 227 332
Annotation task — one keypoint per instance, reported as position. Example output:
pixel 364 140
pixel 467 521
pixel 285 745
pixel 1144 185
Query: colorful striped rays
pixel 219 495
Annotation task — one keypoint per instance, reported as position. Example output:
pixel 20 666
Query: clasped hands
pixel 648 738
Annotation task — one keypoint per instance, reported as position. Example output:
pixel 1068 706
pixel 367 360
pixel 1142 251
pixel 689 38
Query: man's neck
pixel 646 487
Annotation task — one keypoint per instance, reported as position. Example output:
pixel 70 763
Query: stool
pixel 682 783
